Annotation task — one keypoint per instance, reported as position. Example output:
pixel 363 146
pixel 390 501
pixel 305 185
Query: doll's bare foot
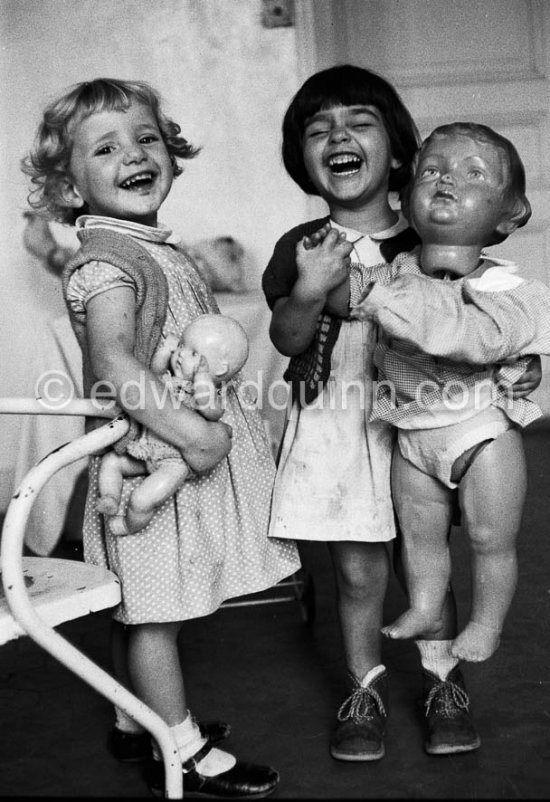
pixel 117 525
pixel 411 624
pixel 476 642
pixel 108 505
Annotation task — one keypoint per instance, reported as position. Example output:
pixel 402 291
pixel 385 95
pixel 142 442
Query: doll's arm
pixel 207 398
pixel 161 359
pixel 111 338
pixel 459 323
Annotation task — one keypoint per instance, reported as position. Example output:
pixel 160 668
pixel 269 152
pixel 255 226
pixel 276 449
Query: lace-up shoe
pixel 449 725
pixel 359 734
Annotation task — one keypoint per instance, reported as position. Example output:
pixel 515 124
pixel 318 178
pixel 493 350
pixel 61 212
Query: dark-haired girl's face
pixel 347 155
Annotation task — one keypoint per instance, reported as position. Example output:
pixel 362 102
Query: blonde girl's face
pixel 347 155
pixel 119 165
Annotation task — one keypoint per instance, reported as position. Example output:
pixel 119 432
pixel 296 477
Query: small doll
pixel 212 349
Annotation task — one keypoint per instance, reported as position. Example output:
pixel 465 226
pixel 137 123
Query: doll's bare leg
pixel 492 493
pixel 153 491
pixel 114 467
pixel 424 508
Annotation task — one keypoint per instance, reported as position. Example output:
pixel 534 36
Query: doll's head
pixel 468 187
pixel 348 85
pixel 219 339
pixel 49 163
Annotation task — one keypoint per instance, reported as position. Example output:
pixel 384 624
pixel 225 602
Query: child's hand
pixel 317 237
pixel 529 380
pixel 323 262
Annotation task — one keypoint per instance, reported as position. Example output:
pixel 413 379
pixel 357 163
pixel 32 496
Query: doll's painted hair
pixel 520 207
pixel 348 85
pixel 48 163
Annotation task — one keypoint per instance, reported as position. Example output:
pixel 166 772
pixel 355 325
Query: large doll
pixel 456 324
pixel 212 349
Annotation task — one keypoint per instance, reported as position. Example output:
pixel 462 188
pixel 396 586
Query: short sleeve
pixel 92 279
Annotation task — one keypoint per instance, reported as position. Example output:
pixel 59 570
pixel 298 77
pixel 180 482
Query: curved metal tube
pixel 18 600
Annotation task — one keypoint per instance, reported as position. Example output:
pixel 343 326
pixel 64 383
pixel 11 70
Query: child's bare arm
pixel 322 268
pixel 111 336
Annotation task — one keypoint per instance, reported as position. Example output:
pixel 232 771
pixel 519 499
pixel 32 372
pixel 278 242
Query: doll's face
pixel 184 362
pixel 217 338
pixel 459 194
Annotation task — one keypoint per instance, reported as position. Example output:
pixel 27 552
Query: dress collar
pixel 160 233
pixel 354 236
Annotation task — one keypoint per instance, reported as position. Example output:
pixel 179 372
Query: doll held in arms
pixel 212 349
pixel 456 325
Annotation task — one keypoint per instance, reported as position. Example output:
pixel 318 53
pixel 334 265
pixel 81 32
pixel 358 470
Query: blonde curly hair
pixel 47 163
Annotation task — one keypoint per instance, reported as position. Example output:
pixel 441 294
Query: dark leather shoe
pixel 449 725
pixel 359 734
pixel 242 781
pixel 133 747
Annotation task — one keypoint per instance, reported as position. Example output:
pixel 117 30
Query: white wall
pixel 226 79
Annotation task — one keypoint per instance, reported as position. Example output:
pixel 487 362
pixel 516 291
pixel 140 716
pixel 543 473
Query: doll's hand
pixel 212 442
pixel 360 312
pixel 529 380
pixel 323 262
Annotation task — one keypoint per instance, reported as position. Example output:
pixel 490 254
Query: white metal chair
pixel 41 592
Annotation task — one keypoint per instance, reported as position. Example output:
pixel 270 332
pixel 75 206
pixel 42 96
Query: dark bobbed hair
pixel 348 85
pixel 48 163
pixel 520 208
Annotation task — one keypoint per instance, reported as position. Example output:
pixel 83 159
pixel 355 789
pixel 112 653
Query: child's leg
pixel 361 573
pixel 424 507
pixel 155 671
pixel 153 491
pixel 492 493
pixel 114 467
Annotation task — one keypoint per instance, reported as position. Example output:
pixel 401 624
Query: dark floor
pixel 278 682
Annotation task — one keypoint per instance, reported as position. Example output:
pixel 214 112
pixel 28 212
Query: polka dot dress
pixel 209 542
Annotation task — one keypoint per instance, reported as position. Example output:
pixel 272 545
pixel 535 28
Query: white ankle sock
pixel 435 656
pixel 189 740
pixel 371 675
pixel 125 723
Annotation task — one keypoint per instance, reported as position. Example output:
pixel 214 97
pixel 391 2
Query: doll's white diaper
pixel 435 451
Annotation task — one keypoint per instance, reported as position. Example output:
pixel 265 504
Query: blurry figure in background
pixel 221 263
pixel 39 240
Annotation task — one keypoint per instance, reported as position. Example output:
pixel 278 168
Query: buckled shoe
pixel 133 747
pixel 242 781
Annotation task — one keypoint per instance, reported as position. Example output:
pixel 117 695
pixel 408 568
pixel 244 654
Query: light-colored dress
pixel 333 479
pixel 209 542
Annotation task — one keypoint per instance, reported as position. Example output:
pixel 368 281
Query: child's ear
pixel 70 195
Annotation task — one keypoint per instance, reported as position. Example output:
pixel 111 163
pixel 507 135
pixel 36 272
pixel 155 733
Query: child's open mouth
pixel 138 181
pixel 345 164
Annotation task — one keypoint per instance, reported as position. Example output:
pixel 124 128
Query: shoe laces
pixel 448 697
pixel 362 704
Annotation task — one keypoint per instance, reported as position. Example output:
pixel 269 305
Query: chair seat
pixel 60 590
